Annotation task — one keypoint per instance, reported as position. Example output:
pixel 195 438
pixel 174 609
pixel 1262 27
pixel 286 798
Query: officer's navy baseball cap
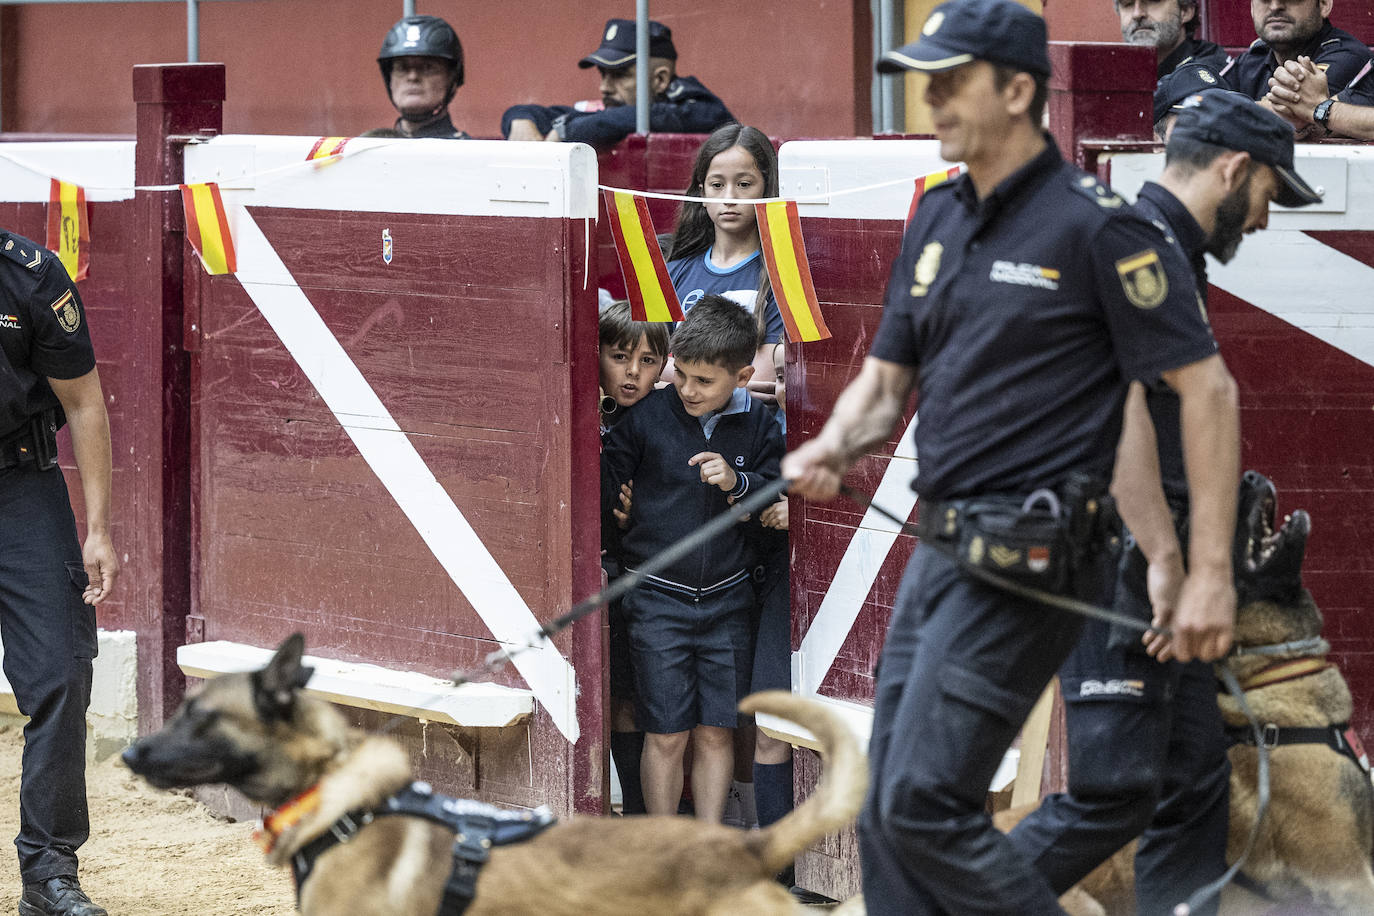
pixel 1187 80
pixel 997 31
pixel 618 45
pixel 1235 121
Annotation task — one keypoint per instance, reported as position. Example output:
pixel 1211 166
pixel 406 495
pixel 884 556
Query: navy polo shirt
pixel 1338 53
pixel 1180 228
pixel 1024 314
pixel 43 331
pixel 1195 51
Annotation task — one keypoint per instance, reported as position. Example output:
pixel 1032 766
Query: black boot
pixel 60 895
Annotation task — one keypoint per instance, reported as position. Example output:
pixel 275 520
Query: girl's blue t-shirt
pixel 696 276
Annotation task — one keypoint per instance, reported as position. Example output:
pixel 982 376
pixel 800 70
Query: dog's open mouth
pixel 1268 559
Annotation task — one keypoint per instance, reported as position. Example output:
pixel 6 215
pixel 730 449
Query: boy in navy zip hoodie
pixel 691 450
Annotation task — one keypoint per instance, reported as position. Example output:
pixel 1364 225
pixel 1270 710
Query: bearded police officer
pixel 422 66
pixel 1170 27
pixel 1024 298
pixel 48 582
pixel 1146 740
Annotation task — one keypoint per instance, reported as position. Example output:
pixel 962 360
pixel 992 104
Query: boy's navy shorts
pixel 692 659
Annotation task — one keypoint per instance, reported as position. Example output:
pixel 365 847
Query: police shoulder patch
pixel 1143 279
pixel 1098 192
pixel 68 315
pixel 22 251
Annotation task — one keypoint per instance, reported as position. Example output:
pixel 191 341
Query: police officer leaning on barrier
pixel 1024 298
pixel 422 66
pixel 1147 749
pixel 48 581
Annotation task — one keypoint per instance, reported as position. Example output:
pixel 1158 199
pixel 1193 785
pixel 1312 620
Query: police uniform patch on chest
pixel 68 315
pixel 927 266
pixel 1024 275
pixel 9 321
pixel 1143 279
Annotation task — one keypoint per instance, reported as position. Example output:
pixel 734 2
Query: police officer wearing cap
pixel 1025 297
pixel 1145 735
pixel 681 104
pixel 48 581
pixel 422 66
pixel 1172 88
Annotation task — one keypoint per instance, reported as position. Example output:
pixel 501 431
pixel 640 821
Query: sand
pixel 152 853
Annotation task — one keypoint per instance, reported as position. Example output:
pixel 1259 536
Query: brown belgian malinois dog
pixel 262 734
pixel 1315 843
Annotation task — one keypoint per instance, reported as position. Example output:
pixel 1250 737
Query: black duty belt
pixel 35 441
pixel 477 827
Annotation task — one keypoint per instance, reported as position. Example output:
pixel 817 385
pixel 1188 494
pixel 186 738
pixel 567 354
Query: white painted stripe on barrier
pixel 1310 285
pixel 400 468
pixel 471 177
pixel 105 168
pixel 868 549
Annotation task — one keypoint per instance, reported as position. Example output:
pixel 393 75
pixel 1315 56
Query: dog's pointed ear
pixel 275 686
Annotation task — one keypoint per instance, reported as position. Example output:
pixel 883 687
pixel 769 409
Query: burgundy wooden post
pixel 1099 91
pixel 172 100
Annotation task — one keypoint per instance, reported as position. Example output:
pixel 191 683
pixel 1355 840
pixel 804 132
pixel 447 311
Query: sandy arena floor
pixel 151 853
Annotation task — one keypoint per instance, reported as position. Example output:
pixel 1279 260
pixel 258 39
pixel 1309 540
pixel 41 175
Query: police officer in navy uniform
pixel 1170 27
pixel 1287 30
pixel 1025 297
pixel 49 582
pixel 422 66
pixel 1146 739
pixel 680 104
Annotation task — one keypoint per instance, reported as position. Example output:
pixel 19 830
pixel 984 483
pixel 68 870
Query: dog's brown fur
pixel 261 734
pixel 1316 840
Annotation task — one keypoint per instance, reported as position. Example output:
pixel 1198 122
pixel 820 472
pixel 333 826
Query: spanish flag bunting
pixel 328 149
pixel 651 293
pixel 69 228
pixel 785 254
pixel 926 182
pixel 207 227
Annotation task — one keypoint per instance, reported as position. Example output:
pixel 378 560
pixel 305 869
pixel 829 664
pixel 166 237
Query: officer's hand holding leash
pixel 1205 617
pixel 1163 582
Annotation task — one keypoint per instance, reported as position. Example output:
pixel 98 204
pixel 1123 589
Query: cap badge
pixel 610 32
pixel 412 34
pixel 933 24
pixel 1206 77
pixel 1143 279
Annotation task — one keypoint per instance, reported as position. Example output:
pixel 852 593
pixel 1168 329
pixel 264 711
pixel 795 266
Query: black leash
pixel 754 502
pixel 1202 895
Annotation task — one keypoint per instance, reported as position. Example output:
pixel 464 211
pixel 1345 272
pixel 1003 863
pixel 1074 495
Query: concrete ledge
pixel 112 719
pixel 859 718
pixel 402 693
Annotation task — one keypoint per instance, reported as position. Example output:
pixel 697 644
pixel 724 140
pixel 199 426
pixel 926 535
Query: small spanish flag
pixel 652 297
pixel 328 149
pixel 926 182
pixel 69 228
pixel 785 254
pixel 207 227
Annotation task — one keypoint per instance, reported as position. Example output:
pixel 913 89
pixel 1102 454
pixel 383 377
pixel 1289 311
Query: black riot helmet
pixel 422 36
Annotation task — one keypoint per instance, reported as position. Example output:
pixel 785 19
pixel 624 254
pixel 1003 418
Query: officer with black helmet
pixel 422 66
pixel 1025 297
pixel 49 581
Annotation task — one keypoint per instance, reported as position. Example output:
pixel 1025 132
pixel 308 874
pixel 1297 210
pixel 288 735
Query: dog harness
pixel 477 827
pixel 1340 738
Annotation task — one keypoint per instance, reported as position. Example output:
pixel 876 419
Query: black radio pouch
pixel 43 428
pixel 1027 543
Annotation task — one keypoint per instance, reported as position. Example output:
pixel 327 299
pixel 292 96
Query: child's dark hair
pixel 695 232
pixel 718 331
pixel 616 328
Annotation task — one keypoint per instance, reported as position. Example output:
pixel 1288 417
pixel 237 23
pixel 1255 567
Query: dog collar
pixel 1284 671
pixel 279 820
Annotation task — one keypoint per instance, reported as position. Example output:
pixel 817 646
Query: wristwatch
pixel 1322 113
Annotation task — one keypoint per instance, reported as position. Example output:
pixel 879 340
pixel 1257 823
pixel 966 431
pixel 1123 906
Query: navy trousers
pixel 1146 752
pixel 962 666
pixel 50 638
